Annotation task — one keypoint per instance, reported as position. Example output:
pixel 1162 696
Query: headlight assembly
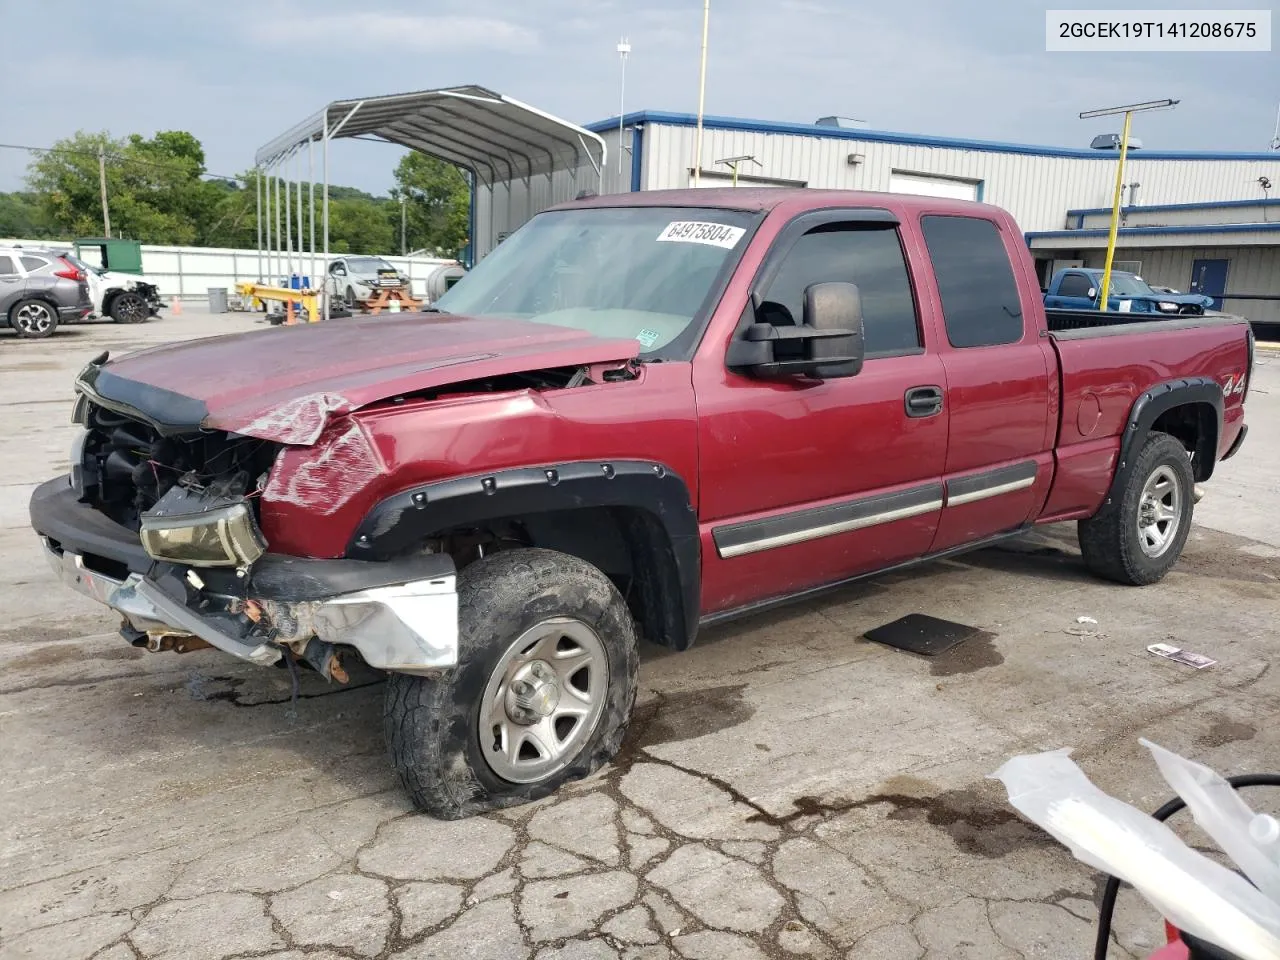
pixel 191 528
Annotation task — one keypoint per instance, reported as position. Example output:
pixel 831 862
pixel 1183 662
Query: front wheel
pixel 33 319
pixel 1139 535
pixel 129 307
pixel 542 693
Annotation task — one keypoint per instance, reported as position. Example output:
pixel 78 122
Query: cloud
pixel 373 33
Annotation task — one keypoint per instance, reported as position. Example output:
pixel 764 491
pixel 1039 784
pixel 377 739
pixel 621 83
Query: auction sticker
pixel 694 231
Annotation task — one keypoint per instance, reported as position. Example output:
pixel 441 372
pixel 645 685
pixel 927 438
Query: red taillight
pixel 68 272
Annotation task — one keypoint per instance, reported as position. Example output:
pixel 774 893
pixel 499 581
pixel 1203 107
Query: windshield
pixel 367 264
pixel 1128 285
pixel 641 273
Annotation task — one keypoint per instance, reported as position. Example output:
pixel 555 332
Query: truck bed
pixel 1075 324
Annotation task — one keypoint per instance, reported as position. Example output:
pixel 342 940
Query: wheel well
pixel 1195 426
pixel 629 545
pixel 38 295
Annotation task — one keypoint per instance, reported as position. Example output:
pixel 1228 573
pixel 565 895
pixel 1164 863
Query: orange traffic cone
pixel 176 304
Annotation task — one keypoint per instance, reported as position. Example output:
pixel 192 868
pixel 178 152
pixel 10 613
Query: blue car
pixel 1078 288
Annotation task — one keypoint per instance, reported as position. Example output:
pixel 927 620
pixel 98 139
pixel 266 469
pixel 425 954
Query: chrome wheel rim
pixel 543 700
pixel 33 318
pixel 1159 511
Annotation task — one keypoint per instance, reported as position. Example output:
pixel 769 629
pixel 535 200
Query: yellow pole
pixel 735 174
pixel 702 94
pixel 1115 214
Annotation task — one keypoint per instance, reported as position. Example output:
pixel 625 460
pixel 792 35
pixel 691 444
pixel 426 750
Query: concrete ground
pixel 789 789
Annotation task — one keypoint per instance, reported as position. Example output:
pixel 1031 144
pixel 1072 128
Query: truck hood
pixel 284 384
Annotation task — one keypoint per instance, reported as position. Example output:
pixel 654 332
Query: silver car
pixel 354 279
pixel 39 289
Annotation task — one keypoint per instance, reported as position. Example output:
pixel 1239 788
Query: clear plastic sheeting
pixel 1194 893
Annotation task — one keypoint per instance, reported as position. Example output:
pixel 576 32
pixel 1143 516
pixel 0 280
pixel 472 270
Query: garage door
pixel 933 186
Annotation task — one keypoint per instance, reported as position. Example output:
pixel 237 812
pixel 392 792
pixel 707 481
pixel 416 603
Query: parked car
pixel 39 289
pixel 1079 288
pixel 640 415
pixel 123 297
pixel 355 279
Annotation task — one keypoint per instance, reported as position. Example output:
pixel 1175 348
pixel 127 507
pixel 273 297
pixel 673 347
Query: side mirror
pixel 829 343
pixel 1093 292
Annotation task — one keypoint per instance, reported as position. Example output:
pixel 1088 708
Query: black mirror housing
pixel 836 308
pixel 830 341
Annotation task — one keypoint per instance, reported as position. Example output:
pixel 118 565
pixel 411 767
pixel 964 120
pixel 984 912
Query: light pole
pixel 404 250
pixel 1128 112
pixel 702 94
pixel 624 48
pixel 733 162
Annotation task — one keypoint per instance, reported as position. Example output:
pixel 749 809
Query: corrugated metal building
pixel 1211 206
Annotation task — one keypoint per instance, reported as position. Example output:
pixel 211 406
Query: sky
pixel 238 72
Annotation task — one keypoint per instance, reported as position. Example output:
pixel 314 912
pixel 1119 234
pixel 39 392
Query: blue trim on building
pixel 881 136
pixel 1165 207
pixel 1151 231
pixel 637 162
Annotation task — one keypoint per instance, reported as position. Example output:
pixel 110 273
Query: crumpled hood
pixel 285 383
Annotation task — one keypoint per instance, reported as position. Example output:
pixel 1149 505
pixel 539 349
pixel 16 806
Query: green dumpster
pixel 120 256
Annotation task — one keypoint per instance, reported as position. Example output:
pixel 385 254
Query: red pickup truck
pixel 639 415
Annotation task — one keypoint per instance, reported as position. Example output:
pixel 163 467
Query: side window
pixel 1074 285
pixel 7 267
pixel 33 263
pixel 975 280
pixel 871 257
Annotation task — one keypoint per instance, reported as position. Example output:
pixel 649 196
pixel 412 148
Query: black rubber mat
pixel 917 633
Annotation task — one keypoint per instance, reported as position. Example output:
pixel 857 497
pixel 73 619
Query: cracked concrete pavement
pixel 788 788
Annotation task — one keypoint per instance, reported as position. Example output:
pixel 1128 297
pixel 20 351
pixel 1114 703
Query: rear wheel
pixel 542 693
pixel 1137 537
pixel 33 319
pixel 129 307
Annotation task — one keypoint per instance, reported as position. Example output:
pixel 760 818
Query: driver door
pixel 805 482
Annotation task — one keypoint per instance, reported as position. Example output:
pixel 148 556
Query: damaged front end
pixel 159 521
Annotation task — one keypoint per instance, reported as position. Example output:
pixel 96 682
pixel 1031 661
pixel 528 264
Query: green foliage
pixel 159 191
pixel 437 203
pixel 21 216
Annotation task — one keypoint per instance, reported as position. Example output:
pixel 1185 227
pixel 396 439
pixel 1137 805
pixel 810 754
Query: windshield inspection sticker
pixel 693 231
pixel 648 338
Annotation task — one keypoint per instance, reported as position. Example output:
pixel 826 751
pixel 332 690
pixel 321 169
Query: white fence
pixel 189 272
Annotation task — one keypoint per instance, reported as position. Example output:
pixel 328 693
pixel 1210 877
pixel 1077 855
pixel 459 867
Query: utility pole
pixel 702 94
pixel 624 48
pixel 102 189
pixel 404 248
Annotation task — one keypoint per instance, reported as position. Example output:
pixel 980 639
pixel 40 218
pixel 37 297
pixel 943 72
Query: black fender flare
pixel 1147 409
pixel 400 522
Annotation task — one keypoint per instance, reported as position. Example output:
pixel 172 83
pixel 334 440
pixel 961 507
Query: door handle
pixel 924 401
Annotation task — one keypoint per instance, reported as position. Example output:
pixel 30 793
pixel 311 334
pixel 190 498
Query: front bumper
pixel 400 616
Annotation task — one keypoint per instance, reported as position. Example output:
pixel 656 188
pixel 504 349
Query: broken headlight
pixel 193 528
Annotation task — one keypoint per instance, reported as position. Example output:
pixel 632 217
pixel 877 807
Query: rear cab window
pixel 31 264
pixel 1074 285
pixel 980 300
pixel 7 266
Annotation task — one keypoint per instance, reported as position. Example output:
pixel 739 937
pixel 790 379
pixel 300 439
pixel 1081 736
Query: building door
pixel 1209 278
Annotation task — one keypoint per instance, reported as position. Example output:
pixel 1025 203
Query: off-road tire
pixel 129 307
pixel 432 724
pixel 350 299
pixel 1109 539
pixel 20 319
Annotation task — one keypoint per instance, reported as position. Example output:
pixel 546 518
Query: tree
pixel 155 190
pixel 21 217
pixel 437 204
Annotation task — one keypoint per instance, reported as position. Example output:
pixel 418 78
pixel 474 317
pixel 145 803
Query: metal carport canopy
pixel 495 137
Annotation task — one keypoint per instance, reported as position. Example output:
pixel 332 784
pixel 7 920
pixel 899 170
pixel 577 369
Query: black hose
pixel 1107 908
